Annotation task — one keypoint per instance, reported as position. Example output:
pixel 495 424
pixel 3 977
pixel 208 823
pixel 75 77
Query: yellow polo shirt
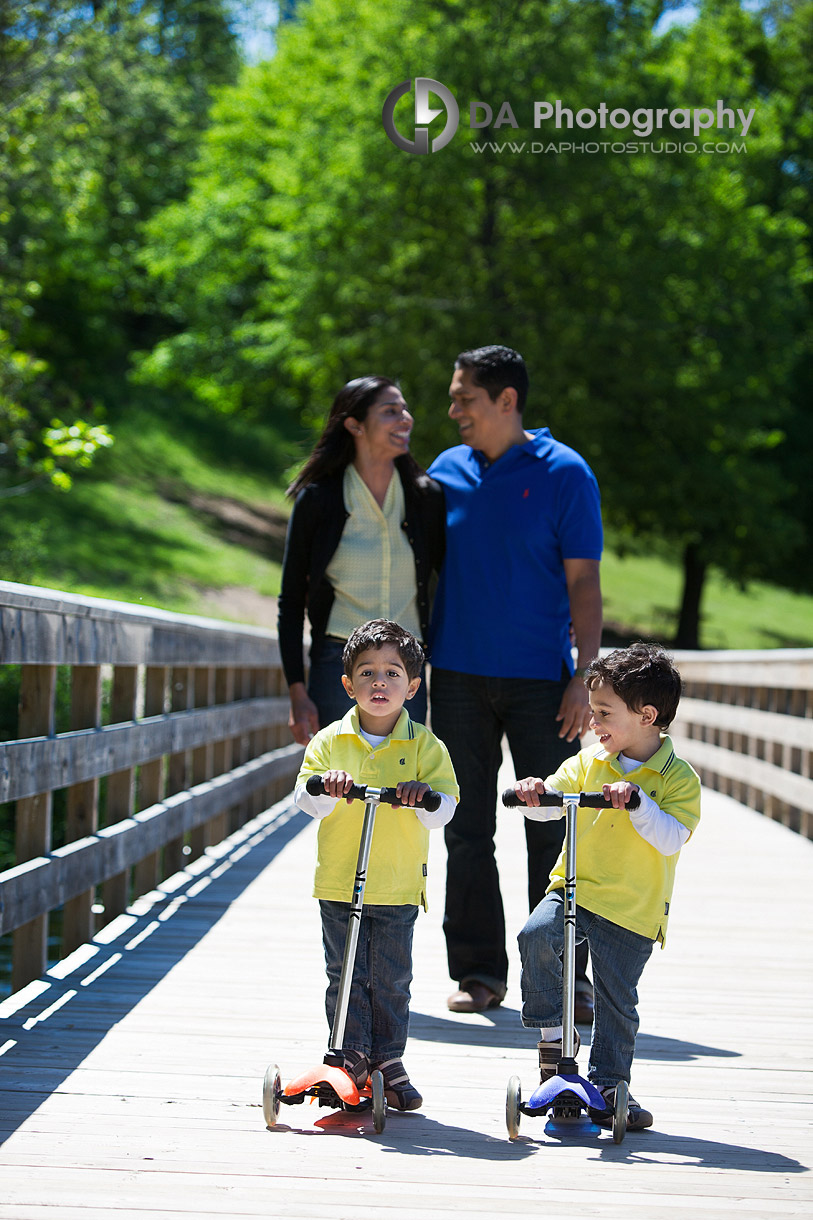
pixel 373 569
pixel 396 875
pixel 618 874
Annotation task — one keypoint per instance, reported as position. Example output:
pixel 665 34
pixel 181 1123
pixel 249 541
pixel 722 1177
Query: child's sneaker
pixel 550 1053
pixel 637 1117
pixel 401 1094
pixel 357 1066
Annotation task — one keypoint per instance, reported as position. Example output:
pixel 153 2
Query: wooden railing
pixel 193 742
pixel 745 724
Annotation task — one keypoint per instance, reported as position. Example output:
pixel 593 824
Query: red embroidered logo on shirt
pixel 525 493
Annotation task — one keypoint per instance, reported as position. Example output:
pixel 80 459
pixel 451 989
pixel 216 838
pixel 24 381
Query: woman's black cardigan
pixel 314 532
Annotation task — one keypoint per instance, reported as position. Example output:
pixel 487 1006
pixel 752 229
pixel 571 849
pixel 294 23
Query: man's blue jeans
pixel 618 957
pixel 378 1011
pixel 470 714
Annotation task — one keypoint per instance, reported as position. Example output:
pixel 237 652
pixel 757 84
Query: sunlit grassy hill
pixel 181 511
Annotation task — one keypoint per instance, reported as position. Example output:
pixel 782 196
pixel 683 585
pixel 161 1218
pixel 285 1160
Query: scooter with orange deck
pixel 329 1083
pixel 566 1094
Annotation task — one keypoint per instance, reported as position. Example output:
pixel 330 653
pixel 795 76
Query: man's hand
pixel 584 593
pixel 574 710
pixel 303 719
pixel 411 790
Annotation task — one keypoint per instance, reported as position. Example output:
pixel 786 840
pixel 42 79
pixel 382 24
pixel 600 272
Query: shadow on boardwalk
pixel 416 1135
pixel 504 1028
pixel 48 1028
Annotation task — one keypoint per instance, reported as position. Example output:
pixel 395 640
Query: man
pixel 524 542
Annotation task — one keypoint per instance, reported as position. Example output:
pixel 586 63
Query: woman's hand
pixel 303 719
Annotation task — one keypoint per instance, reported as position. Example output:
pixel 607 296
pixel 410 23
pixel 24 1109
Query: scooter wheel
pixel 622 1094
pixel 379 1101
pixel 513 1100
pixel 272 1091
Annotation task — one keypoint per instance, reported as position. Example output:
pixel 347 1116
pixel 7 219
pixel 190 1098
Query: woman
pixel 365 535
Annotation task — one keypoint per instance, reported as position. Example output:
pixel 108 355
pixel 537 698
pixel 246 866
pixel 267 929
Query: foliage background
pixel 192 241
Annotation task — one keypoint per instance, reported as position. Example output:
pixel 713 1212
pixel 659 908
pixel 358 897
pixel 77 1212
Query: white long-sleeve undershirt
pixel 660 829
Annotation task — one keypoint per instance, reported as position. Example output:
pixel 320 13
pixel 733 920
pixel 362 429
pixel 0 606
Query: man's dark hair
pixel 641 674
pixel 495 368
pixel 375 634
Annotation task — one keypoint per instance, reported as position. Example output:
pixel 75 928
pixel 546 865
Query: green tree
pixel 738 293
pixel 658 298
pixel 787 187
pixel 102 108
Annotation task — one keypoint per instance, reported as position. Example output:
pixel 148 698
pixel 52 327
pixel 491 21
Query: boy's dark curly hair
pixel 376 633
pixel 640 674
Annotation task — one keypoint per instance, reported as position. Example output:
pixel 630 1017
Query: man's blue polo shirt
pixel 502 607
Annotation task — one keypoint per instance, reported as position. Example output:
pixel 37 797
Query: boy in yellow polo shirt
pixel 625 863
pixel 376 744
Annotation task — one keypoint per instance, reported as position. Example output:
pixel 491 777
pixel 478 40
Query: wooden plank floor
pixel 130 1078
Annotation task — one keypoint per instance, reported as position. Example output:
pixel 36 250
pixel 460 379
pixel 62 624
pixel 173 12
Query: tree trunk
pixel 694 576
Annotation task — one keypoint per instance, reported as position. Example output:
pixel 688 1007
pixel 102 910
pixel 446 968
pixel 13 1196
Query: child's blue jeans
pixel 618 958
pixel 378 1012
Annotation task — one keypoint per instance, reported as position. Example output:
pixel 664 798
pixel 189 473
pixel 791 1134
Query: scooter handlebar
pixel 593 800
pixel 430 801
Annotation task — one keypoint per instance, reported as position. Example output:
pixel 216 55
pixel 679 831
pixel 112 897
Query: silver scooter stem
pixel 571 804
pixel 354 922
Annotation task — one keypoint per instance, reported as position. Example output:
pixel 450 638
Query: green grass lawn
pixel 642 595
pixel 146 524
pixel 133 545
pixel 150 525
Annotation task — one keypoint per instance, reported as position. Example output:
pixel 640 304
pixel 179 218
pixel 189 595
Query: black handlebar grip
pixel 316 787
pixel 595 800
pixel 511 800
pixel 592 800
pixel 430 801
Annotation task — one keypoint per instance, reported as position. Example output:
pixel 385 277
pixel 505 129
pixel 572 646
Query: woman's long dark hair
pixel 335 449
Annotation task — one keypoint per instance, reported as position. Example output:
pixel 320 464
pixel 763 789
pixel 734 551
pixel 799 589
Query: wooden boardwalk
pixel 130 1077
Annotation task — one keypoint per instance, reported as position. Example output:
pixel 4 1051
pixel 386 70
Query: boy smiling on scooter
pixel 378 745
pixel 625 863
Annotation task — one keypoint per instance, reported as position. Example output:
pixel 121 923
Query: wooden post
pixel 223 749
pixel 83 803
pixel 270 683
pixel 255 740
pixel 181 692
pixel 280 734
pixel 121 784
pixel 241 813
pixel 33 820
pixel 151 777
pixel 203 761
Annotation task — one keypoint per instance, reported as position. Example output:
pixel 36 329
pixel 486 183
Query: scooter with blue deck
pixel 329 1082
pixel 566 1095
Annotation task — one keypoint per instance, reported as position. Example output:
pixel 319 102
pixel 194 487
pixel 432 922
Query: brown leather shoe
pixel 473 997
pixel 583 1008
